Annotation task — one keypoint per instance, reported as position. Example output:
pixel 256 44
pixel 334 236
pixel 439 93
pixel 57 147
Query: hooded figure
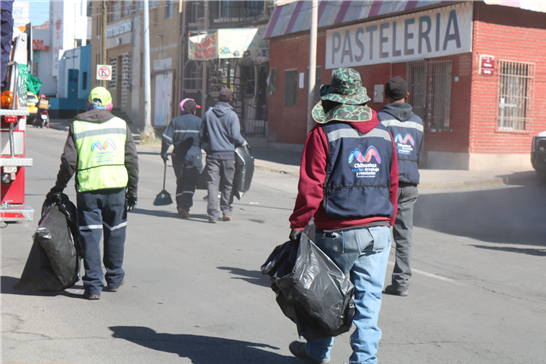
pixel 408 132
pixel 101 152
pixel 183 133
pixel 348 183
pixel 220 135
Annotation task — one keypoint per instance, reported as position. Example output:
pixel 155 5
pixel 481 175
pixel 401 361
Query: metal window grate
pixel 193 77
pixel 515 95
pixel 290 87
pixel 429 84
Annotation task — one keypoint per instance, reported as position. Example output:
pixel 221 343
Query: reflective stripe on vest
pixel 357 181
pixel 101 154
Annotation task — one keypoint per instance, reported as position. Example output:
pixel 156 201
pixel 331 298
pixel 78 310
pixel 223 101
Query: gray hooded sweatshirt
pixel 220 132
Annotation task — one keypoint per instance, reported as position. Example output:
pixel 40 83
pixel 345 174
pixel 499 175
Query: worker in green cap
pixel 101 152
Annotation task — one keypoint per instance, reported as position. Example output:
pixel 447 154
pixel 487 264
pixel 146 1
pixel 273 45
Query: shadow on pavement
pixel 536 252
pixel 524 178
pixel 158 213
pixel 501 215
pixel 251 276
pixel 202 349
pixel 278 156
pixel 7 284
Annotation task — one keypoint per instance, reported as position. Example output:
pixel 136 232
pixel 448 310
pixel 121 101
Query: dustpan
pixel 163 198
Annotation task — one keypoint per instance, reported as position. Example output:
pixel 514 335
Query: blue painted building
pixel 73 83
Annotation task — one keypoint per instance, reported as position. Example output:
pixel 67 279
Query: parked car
pixel 32 105
pixel 538 155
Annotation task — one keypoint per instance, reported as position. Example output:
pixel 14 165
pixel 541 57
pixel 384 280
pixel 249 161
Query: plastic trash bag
pixel 54 260
pixel 311 290
pixel 244 170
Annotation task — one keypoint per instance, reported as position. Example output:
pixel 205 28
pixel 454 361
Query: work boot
pixel 90 296
pixel 212 221
pixel 115 289
pixel 183 214
pixel 298 350
pixel 226 218
pixel 396 292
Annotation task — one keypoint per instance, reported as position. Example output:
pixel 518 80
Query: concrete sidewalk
pixel 288 162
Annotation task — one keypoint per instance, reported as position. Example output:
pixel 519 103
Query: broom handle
pixel 164 175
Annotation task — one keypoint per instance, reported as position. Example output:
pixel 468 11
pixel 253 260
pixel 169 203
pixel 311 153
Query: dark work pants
pixel 7 33
pixel 219 175
pixel 402 230
pixel 102 213
pixel 187 176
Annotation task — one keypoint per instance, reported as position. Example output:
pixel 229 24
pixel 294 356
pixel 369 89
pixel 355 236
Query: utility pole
pixel 148 130
pixel 103 38
pixel 312 65
pixel 205 62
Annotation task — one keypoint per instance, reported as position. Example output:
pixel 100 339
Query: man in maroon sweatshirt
pixel 349 184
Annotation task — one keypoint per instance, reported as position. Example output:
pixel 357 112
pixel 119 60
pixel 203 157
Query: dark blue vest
pixel 358 173
pixel 408 136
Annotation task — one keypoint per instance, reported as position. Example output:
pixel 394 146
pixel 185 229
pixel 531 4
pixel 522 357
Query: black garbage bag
pixel 311 289
pixel 54 260
pixel 244 170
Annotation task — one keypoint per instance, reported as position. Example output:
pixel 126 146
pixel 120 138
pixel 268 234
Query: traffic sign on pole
pixel 104 72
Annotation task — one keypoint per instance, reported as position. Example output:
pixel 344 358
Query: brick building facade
pixel 481 105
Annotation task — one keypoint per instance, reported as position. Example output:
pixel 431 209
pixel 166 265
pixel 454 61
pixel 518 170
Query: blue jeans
pixel 362 253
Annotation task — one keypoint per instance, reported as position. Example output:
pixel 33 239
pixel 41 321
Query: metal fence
pixel 515 95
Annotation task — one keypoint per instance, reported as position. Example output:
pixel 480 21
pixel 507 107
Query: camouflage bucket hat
pixel 346 88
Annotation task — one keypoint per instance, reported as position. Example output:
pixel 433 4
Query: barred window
pixel 290 87
pixel 515 95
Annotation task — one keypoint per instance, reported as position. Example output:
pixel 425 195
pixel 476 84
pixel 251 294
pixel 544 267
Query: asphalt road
pixel 194 293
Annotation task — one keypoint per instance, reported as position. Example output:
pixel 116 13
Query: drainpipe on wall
pixel 181 58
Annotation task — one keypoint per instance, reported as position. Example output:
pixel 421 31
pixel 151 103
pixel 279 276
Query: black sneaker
pixel 391 290
pixel 115 289
pixel 90 296
pixel 297 349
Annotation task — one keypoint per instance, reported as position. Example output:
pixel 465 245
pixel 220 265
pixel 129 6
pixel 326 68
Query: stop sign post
pixel 104 72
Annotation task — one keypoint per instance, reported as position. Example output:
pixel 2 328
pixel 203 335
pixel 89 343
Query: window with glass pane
pixel 116 11
pixel 290 87
pixel 169 9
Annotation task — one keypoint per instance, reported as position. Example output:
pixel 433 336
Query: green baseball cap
pixel 102 94
pixel 345 88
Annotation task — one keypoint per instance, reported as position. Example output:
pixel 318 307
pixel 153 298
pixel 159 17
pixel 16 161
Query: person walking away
pixel 183 133
pixel 349 183
pixel 398 117
pixel 220 135
pixel 101 152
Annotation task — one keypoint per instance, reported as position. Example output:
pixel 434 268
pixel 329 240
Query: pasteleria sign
pixel 427 34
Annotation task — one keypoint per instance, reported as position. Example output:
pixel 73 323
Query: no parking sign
pixel 104 72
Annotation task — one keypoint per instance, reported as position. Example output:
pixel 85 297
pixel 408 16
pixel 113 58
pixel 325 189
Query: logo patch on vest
pixel 402 145
pixel 362 166
pixel 102 154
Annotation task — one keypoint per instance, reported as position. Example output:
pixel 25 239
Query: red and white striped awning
pixel 291 17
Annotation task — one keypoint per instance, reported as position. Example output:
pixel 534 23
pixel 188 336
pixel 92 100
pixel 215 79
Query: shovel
pixel 164 197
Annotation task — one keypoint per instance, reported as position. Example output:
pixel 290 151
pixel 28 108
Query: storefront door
pixel 163 98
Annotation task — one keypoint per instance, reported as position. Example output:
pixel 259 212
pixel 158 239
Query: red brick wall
pixel 509 34
pixel 504 32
